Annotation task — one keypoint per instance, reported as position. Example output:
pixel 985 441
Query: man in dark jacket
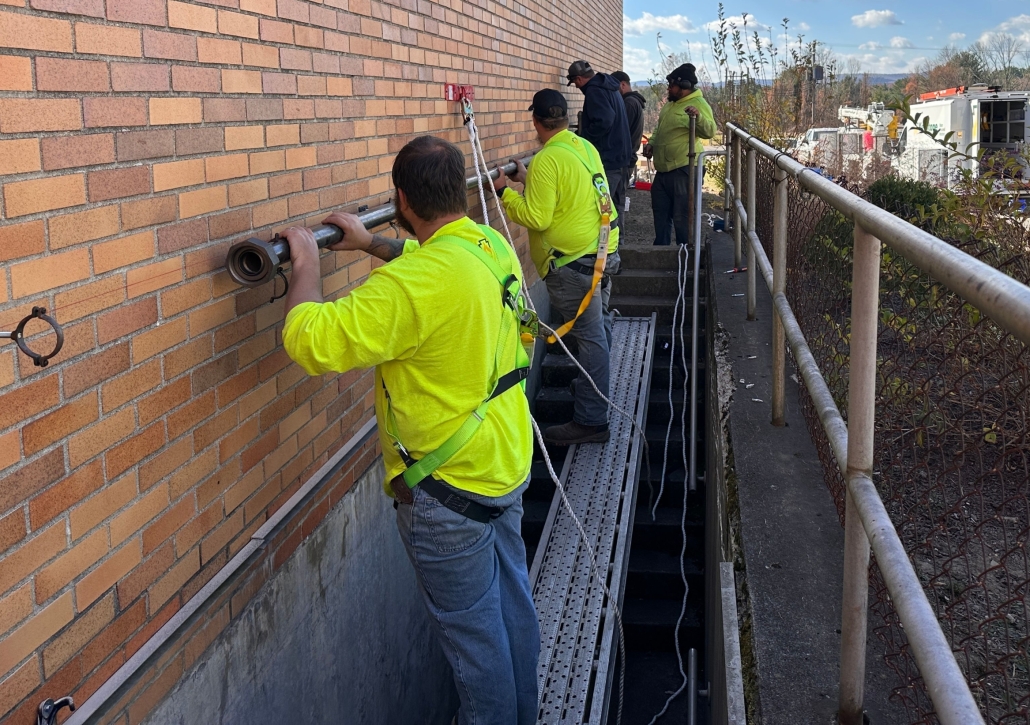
pixel 634 115
pixel 605 126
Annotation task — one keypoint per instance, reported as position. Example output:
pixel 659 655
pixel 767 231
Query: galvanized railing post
pixel 779 341
pixel 738 163
pixel 727 212
pixel 865 298
pixel 752 261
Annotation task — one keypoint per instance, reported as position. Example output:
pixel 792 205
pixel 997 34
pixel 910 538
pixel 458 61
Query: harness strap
pixel 605 206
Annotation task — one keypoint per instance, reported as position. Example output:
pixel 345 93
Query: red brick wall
pixel 138 138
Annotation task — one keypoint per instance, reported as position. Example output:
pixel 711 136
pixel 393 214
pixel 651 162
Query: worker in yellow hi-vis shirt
pixel 561 210
pixel 440 323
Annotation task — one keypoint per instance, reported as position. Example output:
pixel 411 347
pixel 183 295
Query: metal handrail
pixel 867 523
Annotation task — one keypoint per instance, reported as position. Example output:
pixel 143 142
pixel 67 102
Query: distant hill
pixel 875 79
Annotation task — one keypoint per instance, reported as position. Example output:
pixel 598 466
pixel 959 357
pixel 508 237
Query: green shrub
pixel 910 200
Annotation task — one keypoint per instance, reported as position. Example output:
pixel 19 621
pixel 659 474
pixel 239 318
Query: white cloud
pixel 1018 26
pixel 803 27
pixel 875 19
pixel 886 61
pixel 955 37
pixel 737 21
pixel 638 63
pixel 648 23
pixel 898 42
pixel 871 45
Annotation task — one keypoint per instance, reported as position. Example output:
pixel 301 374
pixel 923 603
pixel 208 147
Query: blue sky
pixel 882 36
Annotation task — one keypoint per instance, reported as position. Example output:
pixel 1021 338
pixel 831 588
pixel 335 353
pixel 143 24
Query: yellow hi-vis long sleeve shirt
pixel 559 206
pixel 429 322
pixel 671 139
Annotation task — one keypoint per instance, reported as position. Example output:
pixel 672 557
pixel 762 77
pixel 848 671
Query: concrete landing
pixel 791 537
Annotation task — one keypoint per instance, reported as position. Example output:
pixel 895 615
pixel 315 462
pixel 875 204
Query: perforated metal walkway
pixel 578 630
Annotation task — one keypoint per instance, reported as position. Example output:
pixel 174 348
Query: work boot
pixel 573 433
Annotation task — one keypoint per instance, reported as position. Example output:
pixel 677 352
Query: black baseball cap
pixel 621 76
pixel 545 100
pixel 578 68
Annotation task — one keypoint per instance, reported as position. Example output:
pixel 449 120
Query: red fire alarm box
pixel 455 92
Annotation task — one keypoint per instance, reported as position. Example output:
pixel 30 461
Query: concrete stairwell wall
pixel 138 139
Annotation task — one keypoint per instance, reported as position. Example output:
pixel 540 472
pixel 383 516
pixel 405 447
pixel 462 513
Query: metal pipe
pixel 779 361
pixel 865 305
pixel 692 208
pixel 727 185
pixel 751 180
pixel 698 200
pixel 254 261
pixel 692 687
pixel 737 165
pixel 1002 298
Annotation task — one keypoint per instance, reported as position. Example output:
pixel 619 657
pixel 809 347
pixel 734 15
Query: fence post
pixel 779 341
pixel 865 292
pixel 752 261
pixel 727 211
pixel 737 165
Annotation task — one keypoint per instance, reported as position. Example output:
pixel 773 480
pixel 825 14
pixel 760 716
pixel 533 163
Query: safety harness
pixel 604 206
pixel 419 473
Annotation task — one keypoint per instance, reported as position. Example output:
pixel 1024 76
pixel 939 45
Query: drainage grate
pixel 578 633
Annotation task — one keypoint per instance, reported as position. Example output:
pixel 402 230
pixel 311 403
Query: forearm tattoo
pixel 386 248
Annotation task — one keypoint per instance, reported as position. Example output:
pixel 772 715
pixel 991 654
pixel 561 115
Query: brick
pixel 202 201
pixel 123 252
pixel 298 108
pixel 145 12
pixel 264 56
pixel 64 421
pixel 19 156
pixel 189 141
pixel 94 8
pixel 199 467
pixel 118 183
pixel 108 40
pixel 19 685
pixel 300 157
pixel 185 296
pixel 170 584
pixel 101 580
pixel 169 46
pixel 244 137
pixel 95 510
pixel 238 24
pixel 218 50
pixel 153 342
pixel 15 608
pixel 12 529
pixel 276 32
pixel 220 537
pixel 268 161
pixel 25 115
pixel 293 10
pixel 83 226
pixel 241 81
pixel 87 625
pixel 284 185
pixel 164 400
pixel 139 77
pixel 149 212
pixel 196 80
pixel 62 74
pixel 89 299
pixel 93 441
pixel 21 240
pixel 237 439
pixel 35 33
pixel 16 72
pixel 138 514
pixel 339 86
pixel 125 455
pixel 283 135
pixel 10 453
pixel 53 270
pixel 56 576
pixel 177 174
pixel 181 236
pixel 192 17
pixel 165 527
pixel 293 59
pixel 233 222
pixel 190 416
pixel 220 168
pixel 209 375
pixel 112 637
pixel 125 388
pixel 19 564
pixel 308 37
pixel 281 83
pixel 136 145
pixel 266 214
pixel 26 400
pixel 45 194
pixel 126 320
pixel 264 109
pixel 23 641
pixel 311 86
pixel 108 112
pixel 164 464
pixel 263 7
pixel 166 111
pixel 66 152
pixel 248 192
pixel 70 491
pixel 143 576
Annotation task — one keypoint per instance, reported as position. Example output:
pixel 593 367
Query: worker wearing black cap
pixel 604 124
pixel 561 208
pixel 670 148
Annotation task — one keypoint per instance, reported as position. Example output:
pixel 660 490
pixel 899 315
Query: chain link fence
pixel 952 440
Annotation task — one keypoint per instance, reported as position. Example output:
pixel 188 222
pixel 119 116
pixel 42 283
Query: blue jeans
pixel 566 287
pixel 475 585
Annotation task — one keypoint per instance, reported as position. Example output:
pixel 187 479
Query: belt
pixel 450 499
